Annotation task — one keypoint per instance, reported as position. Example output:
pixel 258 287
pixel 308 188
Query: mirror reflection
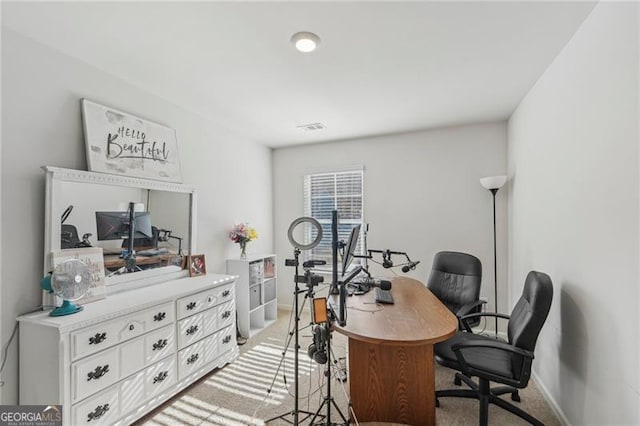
pixel 138 229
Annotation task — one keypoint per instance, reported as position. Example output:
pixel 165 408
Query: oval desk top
pixel 416 317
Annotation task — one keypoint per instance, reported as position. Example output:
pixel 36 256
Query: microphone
pixel 386 259
pixel 409 266
pixel 374 282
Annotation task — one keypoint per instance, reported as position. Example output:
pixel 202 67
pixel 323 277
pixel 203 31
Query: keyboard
pixel 382 296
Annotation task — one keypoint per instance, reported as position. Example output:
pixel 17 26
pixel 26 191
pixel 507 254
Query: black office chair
pixel 455 279
pixel 491 360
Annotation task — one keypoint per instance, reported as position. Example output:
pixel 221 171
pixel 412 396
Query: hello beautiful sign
pixel 120 143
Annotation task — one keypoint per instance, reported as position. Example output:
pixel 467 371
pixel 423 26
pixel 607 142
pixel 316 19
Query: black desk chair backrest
pixel 455 279
pixel 529 314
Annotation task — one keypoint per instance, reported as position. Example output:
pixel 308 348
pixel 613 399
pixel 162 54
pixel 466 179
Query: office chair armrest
pixel 458 348
pixel 464 319
pixel 467 308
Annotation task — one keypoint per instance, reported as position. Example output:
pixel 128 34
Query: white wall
pixel 573 208
pixel 41 125
pixel 422 195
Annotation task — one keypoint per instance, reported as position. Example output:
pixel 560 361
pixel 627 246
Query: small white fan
pixel 70 281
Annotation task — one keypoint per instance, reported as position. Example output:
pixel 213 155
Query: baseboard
pixel 285 307
pixel 564 421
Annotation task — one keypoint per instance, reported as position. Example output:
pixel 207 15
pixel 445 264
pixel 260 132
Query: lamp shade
pixel 493 182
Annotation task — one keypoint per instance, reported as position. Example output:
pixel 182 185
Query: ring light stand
pixel 295 262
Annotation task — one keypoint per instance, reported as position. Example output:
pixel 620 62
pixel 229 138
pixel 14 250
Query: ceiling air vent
pixel 311 126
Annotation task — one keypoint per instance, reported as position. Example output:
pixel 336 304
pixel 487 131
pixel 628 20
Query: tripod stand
pixel 328 399
pixel 296 411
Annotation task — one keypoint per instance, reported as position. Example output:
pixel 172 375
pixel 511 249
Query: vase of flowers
pixel 242 233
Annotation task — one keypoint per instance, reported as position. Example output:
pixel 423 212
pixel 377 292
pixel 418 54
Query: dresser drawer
pixel 160 376
pixel 134 325
pixel 205 299
pixel 190 359
pixel 101 409
pixel 94 373
pixel 191 304
pixel 226 314
pixel 226 340
pixel 211 347
pixel 131 356
pixel 95 338
pixel 210 318
pixel 224 293
pixel 159 344
pixel 131 392
pixel 190 330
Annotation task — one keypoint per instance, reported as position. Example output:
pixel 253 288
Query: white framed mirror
pixel 78 203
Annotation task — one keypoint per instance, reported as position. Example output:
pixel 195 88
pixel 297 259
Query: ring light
pixel 310 221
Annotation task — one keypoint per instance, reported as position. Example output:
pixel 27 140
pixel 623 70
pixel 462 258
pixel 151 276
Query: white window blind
pixel 325 192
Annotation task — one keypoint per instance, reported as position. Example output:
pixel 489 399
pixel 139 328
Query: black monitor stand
pixel 130 257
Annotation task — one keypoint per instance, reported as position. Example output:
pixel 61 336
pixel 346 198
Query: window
pixel 325 192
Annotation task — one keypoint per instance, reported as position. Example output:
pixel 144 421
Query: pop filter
pixel 305 220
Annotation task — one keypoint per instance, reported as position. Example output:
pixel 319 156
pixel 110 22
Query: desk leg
pixel 392 383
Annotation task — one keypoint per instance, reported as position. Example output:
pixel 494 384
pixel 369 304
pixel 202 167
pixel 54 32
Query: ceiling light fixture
pixel 305 41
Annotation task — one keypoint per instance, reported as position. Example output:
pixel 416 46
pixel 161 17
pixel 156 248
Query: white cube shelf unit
pixel 256 292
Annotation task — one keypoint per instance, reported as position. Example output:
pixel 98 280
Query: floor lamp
pixel 493 184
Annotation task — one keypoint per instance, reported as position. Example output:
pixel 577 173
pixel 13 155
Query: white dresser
pixel 123 356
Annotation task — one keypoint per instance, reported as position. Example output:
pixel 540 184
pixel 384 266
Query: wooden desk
pixel 391 366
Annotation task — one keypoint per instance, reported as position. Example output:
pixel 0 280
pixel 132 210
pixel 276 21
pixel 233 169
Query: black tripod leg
pixel 295 413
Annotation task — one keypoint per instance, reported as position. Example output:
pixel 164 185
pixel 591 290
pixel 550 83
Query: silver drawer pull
pixel 98 372
pixel 160 377
pixel 192 330
pixel 193 358
pixel 226 314
pixel 210 299
pixel 226 293
pixel 191 305
pixel 159 316
pixel 227 339
pixel 98 412
pixel 98 338
pixel 159 344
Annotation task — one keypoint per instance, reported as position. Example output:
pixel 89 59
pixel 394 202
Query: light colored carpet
pixel 237 394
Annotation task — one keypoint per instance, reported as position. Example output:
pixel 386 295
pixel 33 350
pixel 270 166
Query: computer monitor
pixel 115 225
pixel 350 248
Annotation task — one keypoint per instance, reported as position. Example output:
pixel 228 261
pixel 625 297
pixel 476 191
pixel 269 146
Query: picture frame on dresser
pixel 197 265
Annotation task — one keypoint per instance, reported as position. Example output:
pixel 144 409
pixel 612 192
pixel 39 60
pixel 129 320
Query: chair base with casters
pixel 462 393
pixel 487 395
pixel 489 360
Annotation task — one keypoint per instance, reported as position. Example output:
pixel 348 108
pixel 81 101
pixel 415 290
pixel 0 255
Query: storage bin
pixel 269 290
pixel 269 268
pixel 256 272
pixel 254 296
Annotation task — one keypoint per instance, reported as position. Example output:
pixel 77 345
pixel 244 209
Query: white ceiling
pixel 382 67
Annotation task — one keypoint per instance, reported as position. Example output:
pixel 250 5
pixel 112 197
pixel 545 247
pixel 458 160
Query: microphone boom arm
pixel 386 254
